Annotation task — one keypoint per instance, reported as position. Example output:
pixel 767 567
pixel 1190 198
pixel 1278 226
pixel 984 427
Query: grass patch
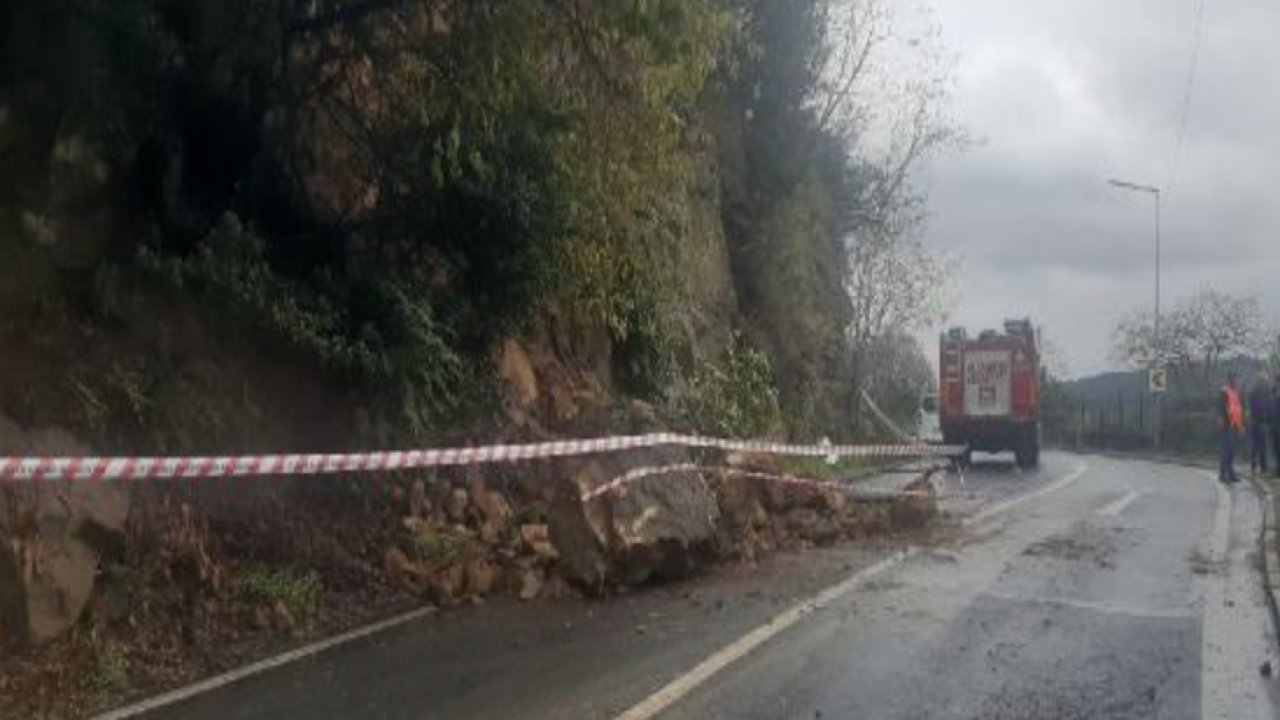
pixel 845 468
pixel 301 594
pixel 109 673
pixel 438 548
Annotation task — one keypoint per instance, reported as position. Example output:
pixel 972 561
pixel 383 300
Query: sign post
pixel 1158 383
pixel 1158 379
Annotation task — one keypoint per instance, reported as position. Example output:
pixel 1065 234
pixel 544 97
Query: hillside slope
pixel 261 225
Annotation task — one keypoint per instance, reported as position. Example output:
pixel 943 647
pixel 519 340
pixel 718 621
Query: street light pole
pixel 1156 323
pixel 1154 192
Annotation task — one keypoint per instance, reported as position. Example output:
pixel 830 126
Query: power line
pixel 1186 95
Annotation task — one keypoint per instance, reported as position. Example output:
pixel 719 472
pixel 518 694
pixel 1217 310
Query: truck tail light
pixel 951 364
pixel 951 392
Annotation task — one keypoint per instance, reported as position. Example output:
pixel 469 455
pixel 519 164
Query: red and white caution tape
pixel 635 474
pixel 37 469
pixel 641 473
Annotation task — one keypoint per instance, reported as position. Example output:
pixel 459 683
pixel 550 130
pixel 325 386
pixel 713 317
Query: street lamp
pixel 1155 331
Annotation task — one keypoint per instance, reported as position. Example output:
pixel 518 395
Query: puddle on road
pixel 1094 545
pixel 943 556
pixel 1203 563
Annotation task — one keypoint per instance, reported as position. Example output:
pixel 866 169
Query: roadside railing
pixel 1128 422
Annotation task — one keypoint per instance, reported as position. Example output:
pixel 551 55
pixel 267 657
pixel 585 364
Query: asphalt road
pixel 1092 588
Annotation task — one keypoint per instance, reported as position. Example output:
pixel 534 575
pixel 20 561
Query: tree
pixel 852 37
pixel 895 284
pixel 782 178
pixel 896 288
pixel 411 177
pixel 1221 325
pixel 1134 341
pixel 1202 330
pixel 885 96
pixel 898 373
pixel 1272 351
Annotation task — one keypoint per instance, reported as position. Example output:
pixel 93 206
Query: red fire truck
pixel 989 393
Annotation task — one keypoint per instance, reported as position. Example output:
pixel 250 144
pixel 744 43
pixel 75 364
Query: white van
pixel 928 428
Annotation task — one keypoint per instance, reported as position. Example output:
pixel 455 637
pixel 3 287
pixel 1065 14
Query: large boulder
pixel 916 505
pixel 653 528
pixel 759 515
pixel 52 538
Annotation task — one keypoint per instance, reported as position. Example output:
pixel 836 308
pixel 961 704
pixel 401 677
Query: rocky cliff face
pixel 53 540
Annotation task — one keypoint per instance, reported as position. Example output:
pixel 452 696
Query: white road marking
pixel 1080 469
pixel 217 681
pixel 1116 507
pixel 674 691
pixel 1232 646
pixel 686 683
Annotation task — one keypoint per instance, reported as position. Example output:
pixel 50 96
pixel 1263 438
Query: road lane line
pixel 227 678
pixel 1080 469
pixel 677 689
pixel 1117 506
pixel 673 691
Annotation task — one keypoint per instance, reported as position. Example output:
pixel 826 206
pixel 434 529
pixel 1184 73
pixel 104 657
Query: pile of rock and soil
pixel 113 592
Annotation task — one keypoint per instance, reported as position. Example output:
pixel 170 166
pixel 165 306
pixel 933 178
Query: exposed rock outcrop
pixel 52 537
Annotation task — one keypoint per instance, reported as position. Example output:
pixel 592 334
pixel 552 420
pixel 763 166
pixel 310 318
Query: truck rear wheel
pixel 1028 451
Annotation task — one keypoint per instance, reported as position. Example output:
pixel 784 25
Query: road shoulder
pixel 1267 488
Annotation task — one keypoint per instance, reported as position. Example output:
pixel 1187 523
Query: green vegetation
pixel 845 468
pixel 383 192
pixel 300 594
pixel 398 351
pixel 109 673
pixel 734 396
pixel 437 547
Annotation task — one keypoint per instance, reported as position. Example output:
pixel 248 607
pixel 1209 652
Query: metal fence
pixel 1188 424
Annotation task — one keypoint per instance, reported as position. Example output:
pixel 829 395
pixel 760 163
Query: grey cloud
pixel 1065 93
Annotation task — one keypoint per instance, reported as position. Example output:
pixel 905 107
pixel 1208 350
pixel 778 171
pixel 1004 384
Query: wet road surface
pixel 1091 588
pixel 1129 593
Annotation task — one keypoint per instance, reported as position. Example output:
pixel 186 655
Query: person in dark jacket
pixel 1260 401
pixel 1273 422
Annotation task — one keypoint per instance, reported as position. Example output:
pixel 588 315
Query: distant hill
pixel 1109 385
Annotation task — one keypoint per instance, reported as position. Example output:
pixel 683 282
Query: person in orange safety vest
pixel 1231 416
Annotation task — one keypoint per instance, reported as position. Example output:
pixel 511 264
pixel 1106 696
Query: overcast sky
pixel 1061 95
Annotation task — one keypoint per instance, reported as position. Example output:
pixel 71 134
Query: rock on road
pixel 1091 588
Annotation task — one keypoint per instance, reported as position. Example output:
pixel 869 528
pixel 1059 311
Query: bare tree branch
pixel 863 33
pixel 1203 329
